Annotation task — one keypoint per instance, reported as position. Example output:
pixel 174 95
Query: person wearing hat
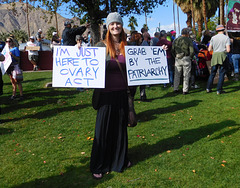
pixel 182 50
pixel 14 40
pixel 69 33
pixel 220 45
pixel 32 54
pixel 110 144
pixel 39 38
pixel 56 40
pixel 170 61
pixel 173 33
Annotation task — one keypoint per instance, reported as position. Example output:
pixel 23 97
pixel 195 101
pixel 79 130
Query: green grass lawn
pixel 180 141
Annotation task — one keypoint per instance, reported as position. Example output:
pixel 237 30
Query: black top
pixel 69 35
pixel 236 46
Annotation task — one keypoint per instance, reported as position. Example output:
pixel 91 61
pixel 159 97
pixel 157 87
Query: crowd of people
pixel 110 145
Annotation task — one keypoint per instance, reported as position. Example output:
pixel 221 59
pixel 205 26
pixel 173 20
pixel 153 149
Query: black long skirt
pixel 110 145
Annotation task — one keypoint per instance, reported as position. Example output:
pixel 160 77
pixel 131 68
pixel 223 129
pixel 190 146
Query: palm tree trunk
pixel 27 19
pixel 193 19
pixel 55 13
pixel 204 14
pixel 221 8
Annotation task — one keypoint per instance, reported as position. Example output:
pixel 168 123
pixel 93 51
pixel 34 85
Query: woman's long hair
pixel 110 44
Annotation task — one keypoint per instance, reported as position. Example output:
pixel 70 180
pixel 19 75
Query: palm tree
pixel 221 9
pixel 193 19
pixel 185 5
pixel 204 13
pixel 132 23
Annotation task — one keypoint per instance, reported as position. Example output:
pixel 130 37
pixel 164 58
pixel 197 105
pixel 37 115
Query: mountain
pixel 38 19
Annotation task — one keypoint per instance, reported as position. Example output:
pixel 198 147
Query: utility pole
pixel 174 16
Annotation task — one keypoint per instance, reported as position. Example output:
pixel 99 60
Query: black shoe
pixel 185 93
pixel 220 92
pixel 176 91
pixel 208 90
pixel 21 98
pixel 13 97
pixel 143 98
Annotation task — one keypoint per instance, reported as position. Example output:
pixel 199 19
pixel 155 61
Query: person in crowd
pixel 173 33
pixel 2 44
pixel 14 40
pixel 136 39
pixel 182 50
pixel 2 58
pixel 206 38
pixel 14 69
pixel 39 39
pixel 169 36
pixel 194 61
pixel 56 40
pixel 33 54
pixel 104 32
pixel 155 39
pixel 146 42
pixel 170 61
pixel 69 34
pixel 220 44
pixel 89 39
pixel 143 30
pixel 110 145
pixel 80 41
pixel 236 56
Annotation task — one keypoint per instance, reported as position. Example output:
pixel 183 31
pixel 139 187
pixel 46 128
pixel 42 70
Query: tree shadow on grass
pixel 4 131
pixel 185 137
pixel 74 177
pixel 151 114
pixel 48 113
pixel 47 96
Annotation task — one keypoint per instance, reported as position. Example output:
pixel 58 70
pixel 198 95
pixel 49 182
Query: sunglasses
pixel 8 41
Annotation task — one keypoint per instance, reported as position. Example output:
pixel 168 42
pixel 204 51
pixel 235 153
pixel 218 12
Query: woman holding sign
pixel 110 145
pixel 14 69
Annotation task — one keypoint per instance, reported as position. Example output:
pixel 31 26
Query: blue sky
pixel 162 14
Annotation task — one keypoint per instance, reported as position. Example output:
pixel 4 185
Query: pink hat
pixel 173 32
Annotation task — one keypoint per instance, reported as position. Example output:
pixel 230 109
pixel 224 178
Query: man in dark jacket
pixel 182 50
pixel 69 34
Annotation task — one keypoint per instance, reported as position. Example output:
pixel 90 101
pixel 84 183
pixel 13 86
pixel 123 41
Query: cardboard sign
pixel 81 68
pixel 33 48
pixel 8 59
pixel 146 65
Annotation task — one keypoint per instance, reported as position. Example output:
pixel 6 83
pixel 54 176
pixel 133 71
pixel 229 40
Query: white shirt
pixel 31 52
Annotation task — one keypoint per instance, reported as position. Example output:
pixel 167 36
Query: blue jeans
pixel 222 72
pixel 170 62
pixel 235 59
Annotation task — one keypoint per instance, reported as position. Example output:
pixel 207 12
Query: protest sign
pixel 84 67
pixel 8 59
pixel 33 48
pixel 233 16
pixel 146 65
